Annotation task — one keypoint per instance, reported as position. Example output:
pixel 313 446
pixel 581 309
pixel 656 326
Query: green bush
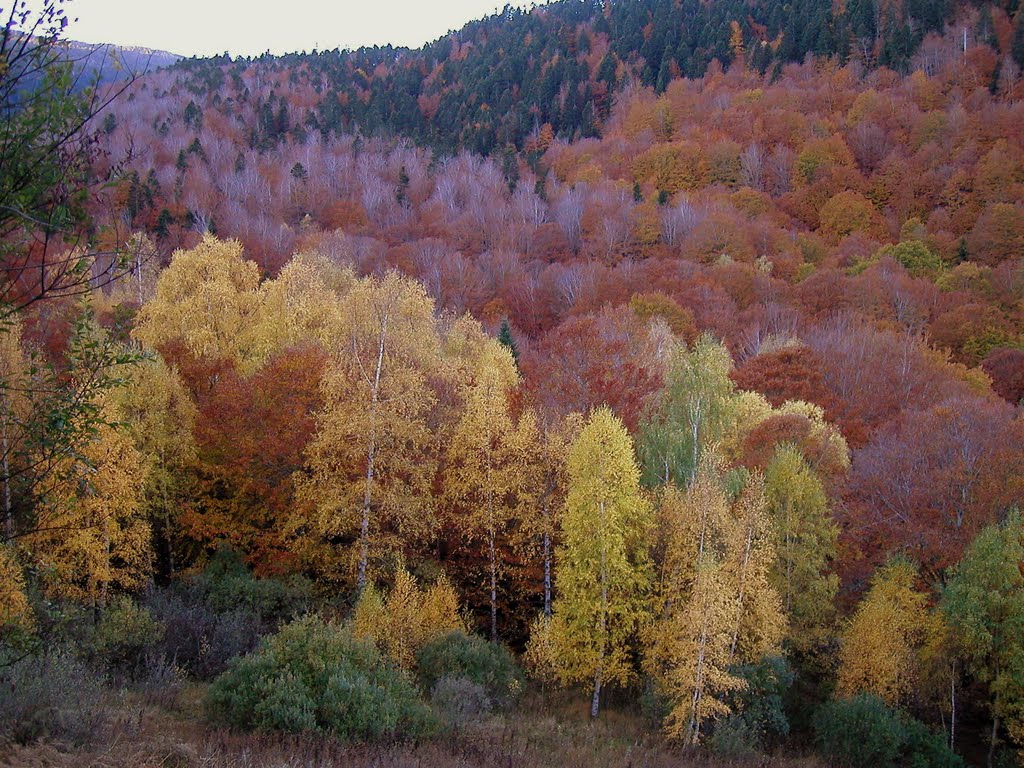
pixel 759 718
pixel 915 257
pixel 313 676
pixel 457 654
pixel 862 732
pixel 227 584
pixel 124 635
pixel 735 739
pixel 924 748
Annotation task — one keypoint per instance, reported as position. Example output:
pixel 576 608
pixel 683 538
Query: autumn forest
pixel 629 382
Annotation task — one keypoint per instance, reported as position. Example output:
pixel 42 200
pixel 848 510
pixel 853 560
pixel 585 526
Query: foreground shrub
pixel 314 676
pixel 459 701
pixel 458 655
pixel 862 732
pixel 124 636
pixel 53 695
pixel 199 639
pixel 759 714
pixel 735 738
pixel 212 617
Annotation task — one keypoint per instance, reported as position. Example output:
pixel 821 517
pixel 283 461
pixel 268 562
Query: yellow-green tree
pixel 209 299
pixel 156 409
pixel 407 618
pixel 882 643
pixel 694 411
pixel 370 464
pixel 486 479
pixel 805 546
pixel 984 604
pixel 604 574
pixel 549 474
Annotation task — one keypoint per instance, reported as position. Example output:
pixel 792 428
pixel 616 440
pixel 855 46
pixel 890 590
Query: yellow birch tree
pixel 689 646
pixel 715 605
pixel 881 645
pixel 208 298
pixel 759 623
pixel 370 463
pixel 159 414
pixel 486 480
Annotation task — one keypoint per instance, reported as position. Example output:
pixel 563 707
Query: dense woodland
pixel 672 352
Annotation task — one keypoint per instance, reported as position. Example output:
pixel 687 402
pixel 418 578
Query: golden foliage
pixel 487 482
pixel 96 537
pixel 716 606
pixel 880 647
pixel 15 611
pixel 370 461
pixel 407 618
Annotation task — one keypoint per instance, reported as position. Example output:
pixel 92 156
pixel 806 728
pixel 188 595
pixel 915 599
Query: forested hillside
pixel 666 355
pixel 489 86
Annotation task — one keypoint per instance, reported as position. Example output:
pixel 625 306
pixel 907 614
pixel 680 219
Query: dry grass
pixel 144 736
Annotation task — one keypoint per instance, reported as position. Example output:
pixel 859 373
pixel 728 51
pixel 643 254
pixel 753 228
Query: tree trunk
pixel 371 455
pixel 992 743
pixel 952 709
pixel 742 594
pixel 603 629
pixel 494 587
pixel 138 272
pixel 695 416
pixel 547 576
pixel 168 544
pixel 698 684
pixel 8 512
pixel 364 523
pixel 166 532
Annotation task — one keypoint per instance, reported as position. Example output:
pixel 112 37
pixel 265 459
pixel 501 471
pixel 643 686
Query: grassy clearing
pixel 140 734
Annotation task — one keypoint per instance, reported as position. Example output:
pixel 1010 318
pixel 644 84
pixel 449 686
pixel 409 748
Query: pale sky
pixel 250 27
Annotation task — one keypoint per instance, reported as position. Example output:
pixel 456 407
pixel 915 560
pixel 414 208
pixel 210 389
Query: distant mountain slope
pixel 492 83
pixel 113 62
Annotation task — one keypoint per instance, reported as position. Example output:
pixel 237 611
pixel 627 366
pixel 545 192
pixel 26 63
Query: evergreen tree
pixel 506 339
